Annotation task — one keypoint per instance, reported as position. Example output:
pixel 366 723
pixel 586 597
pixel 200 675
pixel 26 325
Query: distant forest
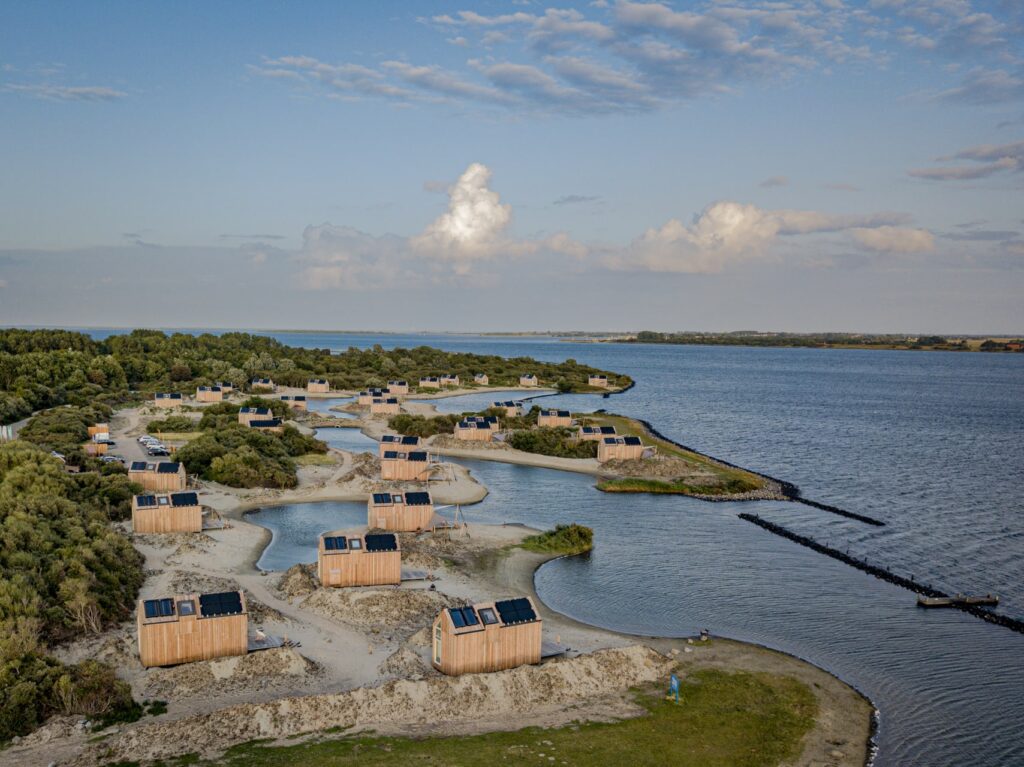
pixel 829 340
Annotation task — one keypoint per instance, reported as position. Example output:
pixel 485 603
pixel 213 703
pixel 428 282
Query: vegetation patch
pixel 559 441
pixel 174 423
pixel 564 539
pixel 423 426
pixel 733 486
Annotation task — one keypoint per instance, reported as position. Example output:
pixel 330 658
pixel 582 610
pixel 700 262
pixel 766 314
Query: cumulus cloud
pixel 52 92
pixel 728 233
pixel 895 239
pixel 976 162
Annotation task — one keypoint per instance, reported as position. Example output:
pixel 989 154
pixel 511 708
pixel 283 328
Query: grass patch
pixel 315 459
pixel 733 486
pixel 724 720
pixel 176 436
pixel 564 539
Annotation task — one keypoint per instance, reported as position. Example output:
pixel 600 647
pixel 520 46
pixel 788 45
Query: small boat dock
pixel 957 600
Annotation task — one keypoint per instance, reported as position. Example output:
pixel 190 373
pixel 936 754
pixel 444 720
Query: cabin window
pixel 488 617
pixel 187 607
pixel 437 644
pixel 355 544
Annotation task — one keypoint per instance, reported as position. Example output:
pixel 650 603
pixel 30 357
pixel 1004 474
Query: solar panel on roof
pixel 158 608
pixel 410 440
pixel 382 497
pixel 145 500
pixel 224 603
pixel 167 467
pixel 457 618
pixel 335 543
pixel 631 440
pixel 607 429
pixel 515 611
pixel 417 456
pixel 564 413
pixel 381 542
pixel 184 499
pixel 609 440
pixel 138 466
pixel 417 499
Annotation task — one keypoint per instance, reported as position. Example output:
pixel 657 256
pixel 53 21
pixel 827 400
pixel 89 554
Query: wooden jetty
pixel 957 600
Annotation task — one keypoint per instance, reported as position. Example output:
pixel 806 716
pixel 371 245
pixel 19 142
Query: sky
pixel 793 165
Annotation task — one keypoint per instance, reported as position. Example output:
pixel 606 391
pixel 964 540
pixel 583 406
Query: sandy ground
pixel 361 656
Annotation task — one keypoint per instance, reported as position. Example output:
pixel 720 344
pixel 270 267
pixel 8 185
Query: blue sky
pixel 801 165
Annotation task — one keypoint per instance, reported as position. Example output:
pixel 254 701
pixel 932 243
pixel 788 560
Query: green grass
pixel 564 539
pixel 177 436
pixel 315 459
pixel 723 720
pixel 636 485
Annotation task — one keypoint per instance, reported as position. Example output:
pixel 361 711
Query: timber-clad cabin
pixel 374 559
pixel 412 466
pixel 98 428
pixel 477 428
pixel 192 627
pixel 599 381
pixel 247 414
pixel 490 636
pixel 270 425
pixel 367 396
pixel 430 382
pixel 262 383
pixel 592 433
pixel 295 401
pixel 397 442
pixel 385 406
pixel 225 386
pixel 167 399
pixel 209 394
pixel 95 448
pixel 622 448
pixel 162 477
pixel 167 513
pixel 398 387
pixel 318 386
pixel 450 379
pixel 481 379
pixel 512 409
pixel 528 379
pixel 400 512
pixel 552 418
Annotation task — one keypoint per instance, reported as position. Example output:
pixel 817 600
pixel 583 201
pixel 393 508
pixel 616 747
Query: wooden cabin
pixel 398 387
pixel 385 406
pixel 262 384
pixel 295 401
pixel 529 379
pixel 99 428
pixel 167 513
pixel 594 433
pixel 374 559
pixel 95 448
pixel 225 386
pixel 599 381
pixel 490 636
pixel 209 394
pixel 481 379
pixel 553 418
pixel 247 414
pixel 621 448
pixel 269 425
pixel 167 399
pixel 192 627
pixel 367 396
pixel 512 409
pixel 400 512
pixel 430 382
pixel 450 380
pixel 159 477
pixel 477 428
pixel 318 386
pixel 411 466
pixel 398 442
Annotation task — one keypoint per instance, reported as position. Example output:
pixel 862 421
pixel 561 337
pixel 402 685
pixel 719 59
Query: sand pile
pixel 364 466
pixel 405 663
pixel 297 581
pixel 554 689
pixel 385 610
pixel 267 669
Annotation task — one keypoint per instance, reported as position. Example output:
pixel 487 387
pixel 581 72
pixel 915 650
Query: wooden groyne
pixel 883 573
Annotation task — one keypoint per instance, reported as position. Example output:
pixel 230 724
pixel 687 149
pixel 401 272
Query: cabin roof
pixel 335 543
pixel 557 413
pixel 417 499
pixel 265 423
pixel 318 380
pixel 209 388
pixel 255 410
pixel 168 395
pixel 222 603
pixel 184 499
pixel 381 542
pixel 631 441
pixel 514 611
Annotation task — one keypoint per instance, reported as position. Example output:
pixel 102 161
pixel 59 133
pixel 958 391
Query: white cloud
pixel 65 92
pixel 982 161
pixel 895 239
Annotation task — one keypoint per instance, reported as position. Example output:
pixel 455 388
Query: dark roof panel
pixel 515 611
pixel 158 608
pixel 184 499
pixel 145 500
pixel 224 603
pixel 381 542
pixel 382 497
pixel 631 441
pixel 417 499
pixel 167 467
pixel 335 542
pixel 417 456
pixel 137 466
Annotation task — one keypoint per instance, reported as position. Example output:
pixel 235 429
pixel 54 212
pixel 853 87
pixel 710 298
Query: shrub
pixel 174 423
pixel 564 539
pixel 556 441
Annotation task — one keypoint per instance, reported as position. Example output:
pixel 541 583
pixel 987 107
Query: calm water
pixel 931 443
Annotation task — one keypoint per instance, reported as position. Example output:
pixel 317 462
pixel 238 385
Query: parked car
pixel 158 451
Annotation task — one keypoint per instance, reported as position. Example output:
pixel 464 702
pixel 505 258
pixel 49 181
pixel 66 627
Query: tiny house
pixel 599 381
pixel 192 627
pixel 318 386
pixel 209 394
pixel 385 406
pixel 374 559
pixel 400 512
pixel 411 466
pixel 619 448
pixel 594 433
pixel 476 429
pixel 528 379
pixel 295 401
pixel 99 428
pixel 490 636
pixel 95 448
pixel 450 380
pixel 430 382
pixel 247 414
pixel 398 442
pixel 265 384
pixel 481 379
pixel 367 396
pixel 398 387
pixel 512 409
pixel 269 425
pixel 225 386
pixel 167 513
pixel 553 418
pixel 162 477
pixel 167 399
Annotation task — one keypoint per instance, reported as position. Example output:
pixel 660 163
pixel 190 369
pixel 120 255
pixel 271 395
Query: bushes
pixel 564 539
pixel 552 441
pixel 245 467
pixel 238 456
pixel 423 426
pixel 64 429
pixel 174 423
